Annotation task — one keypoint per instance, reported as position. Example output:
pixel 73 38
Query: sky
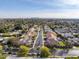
pixel 39 8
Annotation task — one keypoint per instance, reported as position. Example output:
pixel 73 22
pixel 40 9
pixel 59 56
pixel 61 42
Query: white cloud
pixel 72 14
pixel 59 3
pixel 70 2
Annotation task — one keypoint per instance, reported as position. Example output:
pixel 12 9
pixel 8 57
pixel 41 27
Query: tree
pixel 23 51
pixel 2 30
pixel 17 27
pixel 44 52
pixel 1 48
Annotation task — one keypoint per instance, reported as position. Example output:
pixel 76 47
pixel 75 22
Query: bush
pixel 2 56
pixel 44 52
pixel 71 58
pixel 23 51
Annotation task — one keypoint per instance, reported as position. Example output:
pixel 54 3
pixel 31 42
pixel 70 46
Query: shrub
pixel 44 52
